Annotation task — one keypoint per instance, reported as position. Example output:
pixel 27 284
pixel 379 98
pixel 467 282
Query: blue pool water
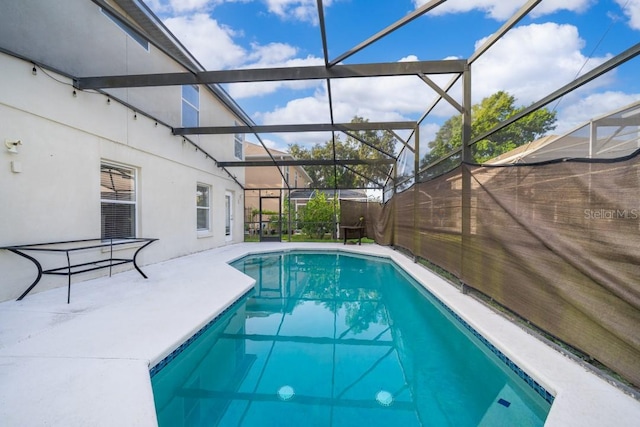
pixel 330 339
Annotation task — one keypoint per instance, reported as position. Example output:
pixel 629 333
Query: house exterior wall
pixel 263 177
pixel 75 37
pixel 50 188
pixel 270 179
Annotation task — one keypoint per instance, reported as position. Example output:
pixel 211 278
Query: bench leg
pixel 68 278
pixel 136 254
pixel 38 266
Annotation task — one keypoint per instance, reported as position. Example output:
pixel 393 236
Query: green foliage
pixel 484 117
pixel 349 148
pixel 319 215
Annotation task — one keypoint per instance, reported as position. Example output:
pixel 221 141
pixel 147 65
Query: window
pixel 118 201
pixel 238 142
pixel 295 175
pixel 286 175
pixel 190 106
pixel 127 29
pixel 203 207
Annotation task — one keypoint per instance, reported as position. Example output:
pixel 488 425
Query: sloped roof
pixel 612 135
pixel 253 150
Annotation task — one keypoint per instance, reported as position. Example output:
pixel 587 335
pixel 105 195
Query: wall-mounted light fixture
pixel 34 70
pixel 12 145
pixel 75 94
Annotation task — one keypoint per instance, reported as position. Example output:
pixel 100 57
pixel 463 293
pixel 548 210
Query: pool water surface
pixel 334 339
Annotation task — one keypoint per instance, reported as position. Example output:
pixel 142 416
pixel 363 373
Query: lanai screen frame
pixel 331 70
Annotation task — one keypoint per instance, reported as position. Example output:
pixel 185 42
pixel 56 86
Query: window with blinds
pixel 118 201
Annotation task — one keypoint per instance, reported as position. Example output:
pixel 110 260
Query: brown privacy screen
pixel 558 244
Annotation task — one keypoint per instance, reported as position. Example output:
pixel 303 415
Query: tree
pixel 319 215
pixel 484 116
pixel 349 148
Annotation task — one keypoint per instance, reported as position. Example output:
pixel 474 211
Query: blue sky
pixel 558 41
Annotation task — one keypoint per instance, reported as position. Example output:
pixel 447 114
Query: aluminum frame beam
pixel 311 127
pixel 308 162
pixel 391 28
pixel 387 69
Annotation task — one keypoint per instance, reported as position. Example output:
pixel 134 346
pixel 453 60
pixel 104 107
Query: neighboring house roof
pixel 255 151
pixel 341 194
pixel 515 154
pixel 258 152
pixel 613 135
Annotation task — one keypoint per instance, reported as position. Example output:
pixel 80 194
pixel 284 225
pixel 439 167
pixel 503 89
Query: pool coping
pixel 62 358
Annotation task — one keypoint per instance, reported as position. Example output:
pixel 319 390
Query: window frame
pixel 134 172
pixel 238 144
pixel 207 208
pixel 185 101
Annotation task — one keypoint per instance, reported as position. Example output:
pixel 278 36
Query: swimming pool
pixel 332 339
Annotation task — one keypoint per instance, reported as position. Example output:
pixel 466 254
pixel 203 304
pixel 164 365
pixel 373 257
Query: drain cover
pixel 286 392
pixel 384 398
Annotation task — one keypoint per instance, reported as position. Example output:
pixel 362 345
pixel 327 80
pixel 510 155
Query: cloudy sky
pixel 558 41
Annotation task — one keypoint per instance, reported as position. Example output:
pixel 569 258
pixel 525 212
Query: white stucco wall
pixel 56 196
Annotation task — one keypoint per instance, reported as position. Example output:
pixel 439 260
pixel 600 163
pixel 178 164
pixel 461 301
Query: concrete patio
pixel 87 363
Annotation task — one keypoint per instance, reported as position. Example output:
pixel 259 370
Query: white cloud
pixel 300 10
pixel 211 43
pixel 188 5
pixel 551 6
pixel 530 62
pixel 378 96
pixel 501 10
pixel 178 7
pixel 631 8
pixel 274 55
pixel 312 109
pixel 376 99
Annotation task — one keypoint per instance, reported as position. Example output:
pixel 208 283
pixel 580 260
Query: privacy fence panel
pixel 559 244
pixel 440 221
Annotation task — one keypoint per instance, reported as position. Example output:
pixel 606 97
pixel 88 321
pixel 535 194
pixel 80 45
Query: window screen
pixel 203 207
pixel 190 106
pixel 238 141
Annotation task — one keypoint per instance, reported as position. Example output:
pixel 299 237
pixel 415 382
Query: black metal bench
pixel 71 246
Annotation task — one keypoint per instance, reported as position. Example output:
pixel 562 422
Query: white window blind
pixel 118 201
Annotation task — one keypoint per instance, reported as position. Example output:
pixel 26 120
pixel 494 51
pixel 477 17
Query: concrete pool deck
pixel 87 363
